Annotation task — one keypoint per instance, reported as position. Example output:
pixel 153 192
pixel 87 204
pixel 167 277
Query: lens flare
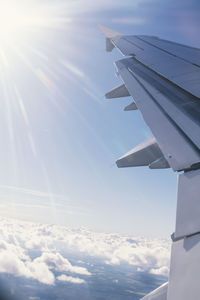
pixel 28 33
pixel 40 41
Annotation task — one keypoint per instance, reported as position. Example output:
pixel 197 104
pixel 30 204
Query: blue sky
pixel 61 138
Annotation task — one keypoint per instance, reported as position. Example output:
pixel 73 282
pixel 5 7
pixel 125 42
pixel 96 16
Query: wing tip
pixel 108 32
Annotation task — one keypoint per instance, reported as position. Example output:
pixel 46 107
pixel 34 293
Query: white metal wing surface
pixel 163 78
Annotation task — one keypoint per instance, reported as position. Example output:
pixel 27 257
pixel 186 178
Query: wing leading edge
pixel 164 80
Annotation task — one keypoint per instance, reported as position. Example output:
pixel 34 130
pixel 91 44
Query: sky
pixel 60 138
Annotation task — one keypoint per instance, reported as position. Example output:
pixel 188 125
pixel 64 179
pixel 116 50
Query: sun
pixel 19 19
pixel 14 19
pixel 24 25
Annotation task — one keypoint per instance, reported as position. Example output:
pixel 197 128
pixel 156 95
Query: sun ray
pixel 26 120
pixel 33 46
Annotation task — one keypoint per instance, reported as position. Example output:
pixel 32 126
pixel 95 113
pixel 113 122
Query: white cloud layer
pixel 52 243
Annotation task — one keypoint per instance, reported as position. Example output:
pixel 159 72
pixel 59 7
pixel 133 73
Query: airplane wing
pixel 163 78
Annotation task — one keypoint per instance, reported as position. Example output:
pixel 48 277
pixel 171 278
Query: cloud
pixel 16 260
pixel 160 271
pixel 52 244
pixel 60 264
pixel 71 279
pixel 21 265
pixel 40 272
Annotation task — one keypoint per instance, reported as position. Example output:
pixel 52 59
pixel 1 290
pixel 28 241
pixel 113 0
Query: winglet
pixel 109 33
